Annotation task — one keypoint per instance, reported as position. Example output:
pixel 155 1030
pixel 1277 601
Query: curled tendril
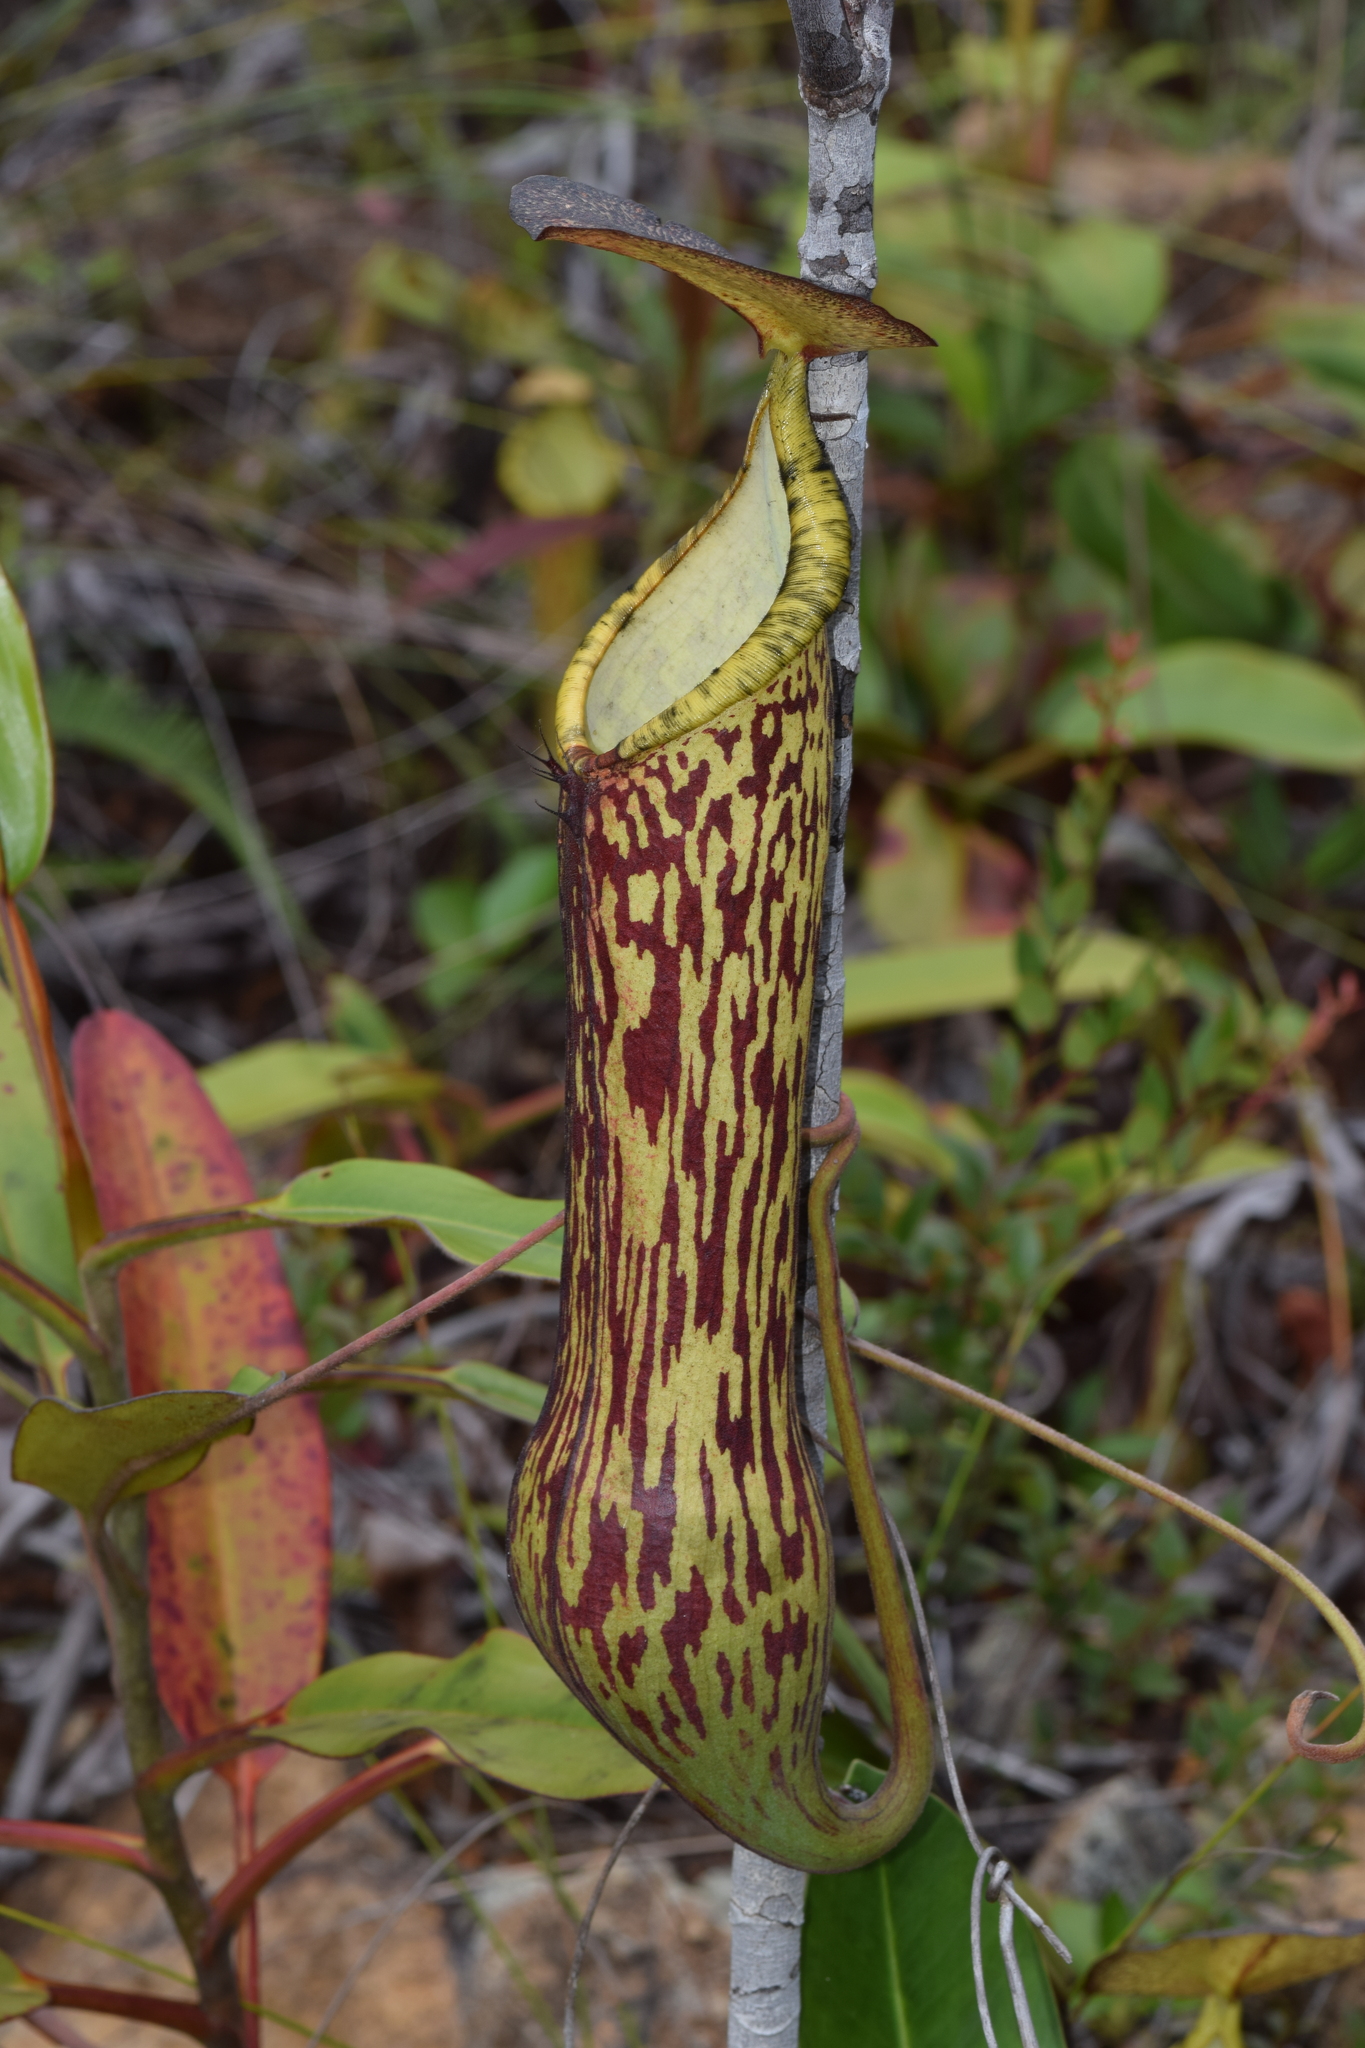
pixel 1302 1744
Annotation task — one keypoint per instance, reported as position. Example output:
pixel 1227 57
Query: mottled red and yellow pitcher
pixel 669 1546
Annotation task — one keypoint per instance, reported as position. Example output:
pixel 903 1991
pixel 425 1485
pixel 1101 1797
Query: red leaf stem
pixel 236 1896
pixel 61 1838
pixel 176 2013
pixel 171 1770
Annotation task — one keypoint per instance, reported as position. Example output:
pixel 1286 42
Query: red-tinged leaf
pixel 239 1553
pixel 502 542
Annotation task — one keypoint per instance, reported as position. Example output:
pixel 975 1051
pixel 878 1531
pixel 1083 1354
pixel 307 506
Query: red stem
pixel 525 1109
pixel 60 1838
pixel 171 1770
pixel 163 1232
pixel 245 1777
pixel 176 2013
pixel 233 1901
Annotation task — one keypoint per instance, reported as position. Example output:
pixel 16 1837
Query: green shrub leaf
pixel 77 1453
pixel 293 1081
pixel 1200 585
pixel 908 982
pixel 467 1217
pixel 492 1386
pixel 499 1707
pixel 34 1232
pixel 25 750
pixel 1223 693
pixel 899 1124
pixel 1109 277
pixel 886 1953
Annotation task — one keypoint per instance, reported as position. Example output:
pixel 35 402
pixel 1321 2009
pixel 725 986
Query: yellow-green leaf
pixel 908 982
pixel 900 1125
pixel 292 1081
pixel 19 1993
pixel 464 1215
pixel 559 462
pixel 1229 1965
pixel 914 881
pixel 1238 1157
pixel 1224 693
pixel 25 750
pixel 77 1453
pixel 499 1707
pixel 492 1386
pixel 412 283
pixel 1109 277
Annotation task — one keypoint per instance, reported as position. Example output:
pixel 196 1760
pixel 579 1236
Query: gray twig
pixel 1305 184
pixel 56 1688
pixel 580 1947
pixel 845 68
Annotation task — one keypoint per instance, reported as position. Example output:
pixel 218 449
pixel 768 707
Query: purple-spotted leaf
pixel 786 313
pixel 239 1553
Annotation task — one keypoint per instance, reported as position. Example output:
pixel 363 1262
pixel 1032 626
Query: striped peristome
pixel 668 1542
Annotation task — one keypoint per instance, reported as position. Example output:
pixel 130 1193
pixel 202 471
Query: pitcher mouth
pixel 723 611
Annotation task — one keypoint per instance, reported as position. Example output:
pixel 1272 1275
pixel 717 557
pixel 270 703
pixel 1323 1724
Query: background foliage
pixel 313 472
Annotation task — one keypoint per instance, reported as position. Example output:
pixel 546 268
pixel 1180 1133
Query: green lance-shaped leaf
pixel 465 1216
pixel 25 751
pixel 499 1707
pixel 78 1453
pixel 114 715
pixel 886 1950
pixel 488 1386
pixel 1201 588
pixel 901 1126
pixel 506 1393
pixel 1222 693
pixel 905 983
pixel 293 1081
pixel 34 1232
